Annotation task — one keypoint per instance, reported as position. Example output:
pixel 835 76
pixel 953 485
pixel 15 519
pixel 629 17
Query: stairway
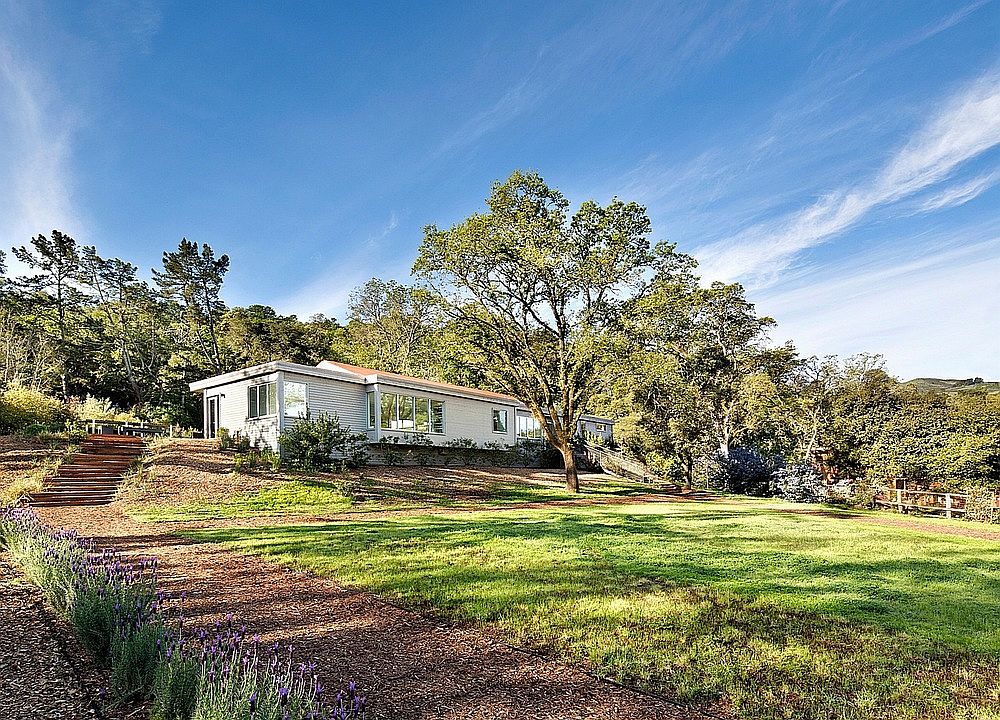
pixel 92 475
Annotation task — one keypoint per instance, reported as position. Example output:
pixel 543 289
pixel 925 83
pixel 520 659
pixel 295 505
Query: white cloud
pixel 959 194
pixel 931 314
pixel 36 158
pixel 967 126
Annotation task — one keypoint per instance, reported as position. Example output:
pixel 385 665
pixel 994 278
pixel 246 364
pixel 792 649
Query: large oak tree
pixel 540 293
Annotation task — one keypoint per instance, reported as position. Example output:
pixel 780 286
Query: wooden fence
pixel 948 504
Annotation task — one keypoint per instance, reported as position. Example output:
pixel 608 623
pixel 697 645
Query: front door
pixel 212 426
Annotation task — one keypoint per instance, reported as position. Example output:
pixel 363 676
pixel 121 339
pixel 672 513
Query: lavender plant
pixel 237 676
pixel 121 618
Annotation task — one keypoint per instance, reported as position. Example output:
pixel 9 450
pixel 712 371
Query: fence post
pixel 947 505
pixel 899 500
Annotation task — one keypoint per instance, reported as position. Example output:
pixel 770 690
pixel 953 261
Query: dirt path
pixel 410 666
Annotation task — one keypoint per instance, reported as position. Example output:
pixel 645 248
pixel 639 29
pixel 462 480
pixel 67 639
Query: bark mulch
pixel 44 673
pixel 410 666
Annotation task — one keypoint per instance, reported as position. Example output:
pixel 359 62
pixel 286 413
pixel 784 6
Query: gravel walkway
pixel 410 666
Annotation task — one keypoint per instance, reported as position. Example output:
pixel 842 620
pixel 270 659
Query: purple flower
pixel 283 696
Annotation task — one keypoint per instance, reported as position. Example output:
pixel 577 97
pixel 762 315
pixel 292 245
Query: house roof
pixel 352 373
pixel 372 375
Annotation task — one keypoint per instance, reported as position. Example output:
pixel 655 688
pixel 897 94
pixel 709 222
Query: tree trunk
pixel 569 461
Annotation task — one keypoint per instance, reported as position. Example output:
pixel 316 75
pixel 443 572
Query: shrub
pixel 224 439
pixel 799 483
pixel 744 470
pixel 92 408
pixel 135 655
pixel 21 407
pixel 321 442
pixel 175 687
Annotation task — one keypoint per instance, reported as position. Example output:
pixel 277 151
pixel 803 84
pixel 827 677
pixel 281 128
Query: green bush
pixel 92 408
pixel 135 654
pixel 320 442
pixel 175 687
pixel 22 407
pixel 224 439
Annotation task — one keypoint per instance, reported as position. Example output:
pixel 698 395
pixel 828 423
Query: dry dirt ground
pixel 409 665
pixel 25 459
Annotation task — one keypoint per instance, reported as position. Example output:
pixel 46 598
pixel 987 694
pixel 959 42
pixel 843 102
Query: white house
pixel 261 401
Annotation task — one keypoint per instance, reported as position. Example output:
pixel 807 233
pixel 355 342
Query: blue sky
pixel 841 159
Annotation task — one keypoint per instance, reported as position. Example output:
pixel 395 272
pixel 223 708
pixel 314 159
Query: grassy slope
pixel 322 496
pixel 781 615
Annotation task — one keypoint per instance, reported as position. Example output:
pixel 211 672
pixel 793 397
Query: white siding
pixel 234 409
pixel 463 417
pixel 346 400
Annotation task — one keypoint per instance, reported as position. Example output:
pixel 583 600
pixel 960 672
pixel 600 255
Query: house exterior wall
pixel 347 400
pixel 463 417
pixel 595 428
pixel 234 411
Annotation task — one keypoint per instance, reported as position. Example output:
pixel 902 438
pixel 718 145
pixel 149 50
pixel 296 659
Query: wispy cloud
pixel 967 126
pixel 905 303
pixel 36 167
pixel 959 194
pixel 390 226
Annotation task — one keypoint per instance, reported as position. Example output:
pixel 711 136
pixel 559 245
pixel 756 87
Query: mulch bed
pixel 44 672
pixel 410 666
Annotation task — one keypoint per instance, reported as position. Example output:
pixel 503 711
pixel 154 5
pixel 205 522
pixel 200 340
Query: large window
pixel 528 428
pixel 500 421
pixel 295 399
pixel 410 413
pixel 262 399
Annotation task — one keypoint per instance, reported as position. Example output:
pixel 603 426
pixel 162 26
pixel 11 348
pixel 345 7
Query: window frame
pixel 372 405
pixel 253 399
pixel 409 404
pixel 497 414
pixel 305 398
pixel 532 431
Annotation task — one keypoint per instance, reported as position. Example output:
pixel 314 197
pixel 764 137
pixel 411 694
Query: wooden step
pixel 93 474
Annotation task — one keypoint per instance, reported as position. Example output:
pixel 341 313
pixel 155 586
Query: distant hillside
pixel 953 386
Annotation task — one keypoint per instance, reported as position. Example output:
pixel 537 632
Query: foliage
pixel 253 458
pixel 321 442
pixel 92 408
pixel 743 470
pixel 394 327
pixel 539 294
pixel 798 483
pixel 118 613
pixel 21 407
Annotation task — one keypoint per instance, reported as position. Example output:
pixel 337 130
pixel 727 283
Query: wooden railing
pixel 950 504
pixel 617 463
pixel 115 427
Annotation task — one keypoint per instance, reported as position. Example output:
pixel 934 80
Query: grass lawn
pixel 774 615
pixel 372 491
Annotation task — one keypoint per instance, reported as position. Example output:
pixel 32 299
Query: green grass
pixel 372 492
pixel 289 497
pixel 776 615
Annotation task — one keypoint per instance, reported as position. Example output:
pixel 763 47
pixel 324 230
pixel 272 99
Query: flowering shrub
pixel 240 677
pixel 120 616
